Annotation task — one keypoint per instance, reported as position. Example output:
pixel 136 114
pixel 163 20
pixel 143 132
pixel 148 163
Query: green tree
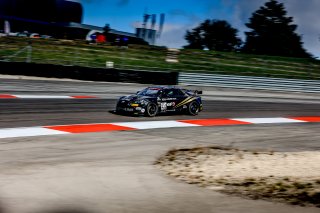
pixel 272 33
pixel 214 35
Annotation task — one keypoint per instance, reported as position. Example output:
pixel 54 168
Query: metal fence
pixel 246 82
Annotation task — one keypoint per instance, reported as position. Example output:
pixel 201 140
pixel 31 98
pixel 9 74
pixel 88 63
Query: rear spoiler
pixel 193 92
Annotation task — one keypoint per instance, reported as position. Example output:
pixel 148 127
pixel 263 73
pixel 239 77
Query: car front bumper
pixel 130 110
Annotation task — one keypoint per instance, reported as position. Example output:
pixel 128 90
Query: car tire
pixel 151 110
pixel 193 108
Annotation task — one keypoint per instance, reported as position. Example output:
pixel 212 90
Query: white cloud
pixel 173 34
pixel 305 14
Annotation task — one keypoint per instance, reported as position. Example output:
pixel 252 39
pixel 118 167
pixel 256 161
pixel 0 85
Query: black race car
pixel 160 99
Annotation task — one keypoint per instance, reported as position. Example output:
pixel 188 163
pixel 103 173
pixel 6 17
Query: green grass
pixel 153 58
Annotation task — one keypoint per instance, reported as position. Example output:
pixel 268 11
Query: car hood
pixel 135 98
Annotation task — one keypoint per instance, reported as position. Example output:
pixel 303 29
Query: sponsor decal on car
pixel 171 104
pixel 169 99
pixel 185 101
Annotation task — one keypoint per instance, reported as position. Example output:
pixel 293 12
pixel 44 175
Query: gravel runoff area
pixel 290 177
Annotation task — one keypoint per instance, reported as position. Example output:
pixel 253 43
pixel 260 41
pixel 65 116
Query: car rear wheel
pixel 193 108
pixel 151 110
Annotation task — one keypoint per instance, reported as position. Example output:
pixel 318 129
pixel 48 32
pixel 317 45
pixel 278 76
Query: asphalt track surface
pixel 114 171
pixel 41 112
pixel 218 103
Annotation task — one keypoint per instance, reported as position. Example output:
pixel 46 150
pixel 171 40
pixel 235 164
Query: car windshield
pixel 149 92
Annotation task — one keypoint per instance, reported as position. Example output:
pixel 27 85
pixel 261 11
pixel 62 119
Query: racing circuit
pixel 113 171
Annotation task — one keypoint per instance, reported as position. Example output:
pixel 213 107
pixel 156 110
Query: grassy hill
pixel 79 53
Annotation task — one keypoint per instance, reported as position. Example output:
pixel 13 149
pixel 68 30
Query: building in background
pixel 148 32
pixel 49 17
pixel 149 35
pixel 51 11
pixel 63 19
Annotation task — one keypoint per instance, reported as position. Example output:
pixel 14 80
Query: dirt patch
pixel 291 177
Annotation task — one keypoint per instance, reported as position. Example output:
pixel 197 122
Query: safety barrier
pixel 161 78
pixel 88 74
pixel 247 82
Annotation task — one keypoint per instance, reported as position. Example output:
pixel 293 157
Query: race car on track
pixel 160 99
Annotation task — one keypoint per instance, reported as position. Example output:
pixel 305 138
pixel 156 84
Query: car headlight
pixel 139 103
pixel 143 102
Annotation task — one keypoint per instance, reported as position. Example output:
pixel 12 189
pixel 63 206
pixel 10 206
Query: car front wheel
pixel 151 110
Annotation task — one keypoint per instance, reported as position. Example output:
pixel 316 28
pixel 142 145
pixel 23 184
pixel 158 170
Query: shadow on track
pixel 67 210
pixel 124 114
pixel 1 208
pixel 57 210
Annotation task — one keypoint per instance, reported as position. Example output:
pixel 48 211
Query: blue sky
pixel 121 14
pixel 182 15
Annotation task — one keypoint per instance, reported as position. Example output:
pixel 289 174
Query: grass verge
pixel 79 53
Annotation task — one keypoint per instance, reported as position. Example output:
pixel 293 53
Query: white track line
pixel 268 120
pixel 10 96
pixel 142 125
pixel 28 131
pixel 43 96
pixel 154 124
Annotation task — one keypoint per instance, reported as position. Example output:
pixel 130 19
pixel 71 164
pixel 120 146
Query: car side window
pixel 178 92
pixel 168 93
pixel 172 93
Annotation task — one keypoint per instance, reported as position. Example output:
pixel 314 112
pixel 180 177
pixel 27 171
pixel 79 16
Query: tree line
pixel 271 32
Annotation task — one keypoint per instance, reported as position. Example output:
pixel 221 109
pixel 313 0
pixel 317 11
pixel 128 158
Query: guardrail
pixel 247 82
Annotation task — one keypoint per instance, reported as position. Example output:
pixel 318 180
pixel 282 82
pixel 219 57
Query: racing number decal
pixel 163 106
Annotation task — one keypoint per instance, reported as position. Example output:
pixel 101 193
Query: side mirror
pixel 137 92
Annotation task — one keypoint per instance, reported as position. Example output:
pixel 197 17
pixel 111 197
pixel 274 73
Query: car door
pixel 172 97
pixel 180 99
pixel 167 100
